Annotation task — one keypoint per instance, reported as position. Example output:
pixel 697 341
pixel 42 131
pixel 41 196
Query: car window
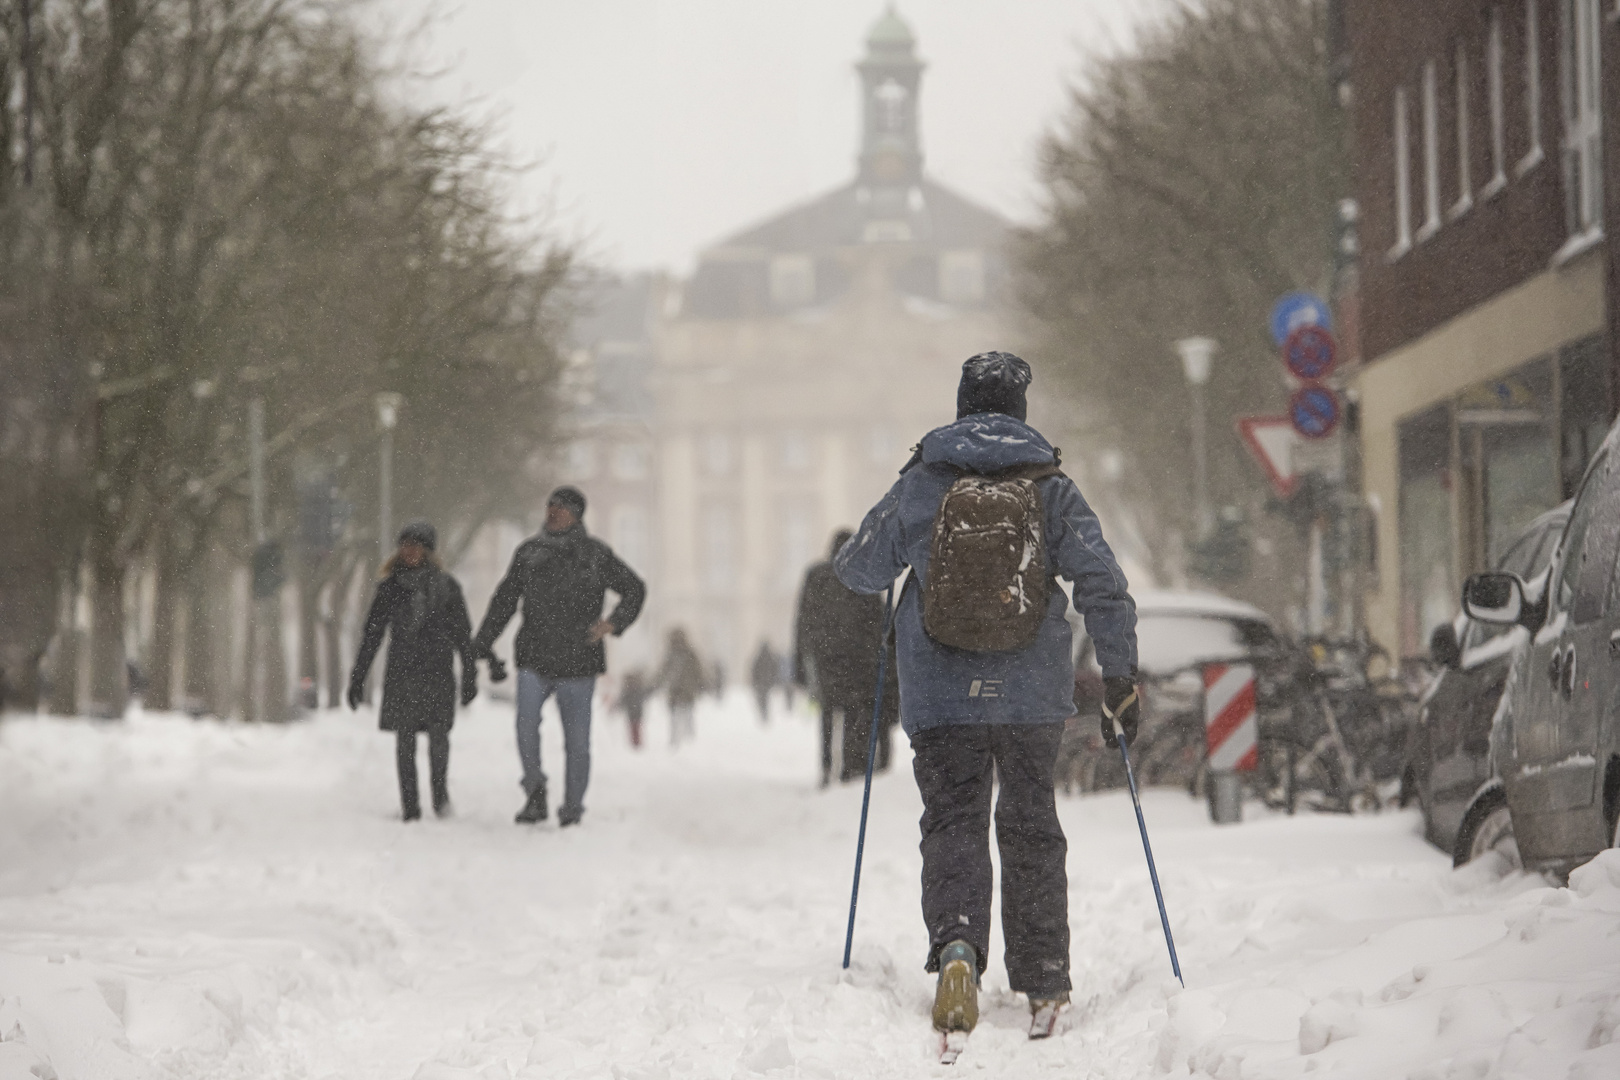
pixel 1595 563
pixel 1572 546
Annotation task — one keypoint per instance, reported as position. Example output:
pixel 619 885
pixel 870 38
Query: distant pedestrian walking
pixel 985 520
pixel 421 609
pixel 764 675
pixel 835 658
pixel 633 695
pixel 562 576
pixel 682 680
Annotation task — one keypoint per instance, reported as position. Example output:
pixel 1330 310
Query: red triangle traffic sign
pixel 1271 439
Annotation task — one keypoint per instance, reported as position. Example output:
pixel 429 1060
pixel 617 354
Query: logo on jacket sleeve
pixel 985 688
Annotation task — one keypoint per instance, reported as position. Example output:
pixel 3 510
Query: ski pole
pixel 1147 848
pixel 871 757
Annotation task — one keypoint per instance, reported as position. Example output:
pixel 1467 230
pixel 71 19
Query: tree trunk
pixel 109 675
pixel 166 570
pixel 64 693
pixel 274 645
pixel 202 658
pixel 309 664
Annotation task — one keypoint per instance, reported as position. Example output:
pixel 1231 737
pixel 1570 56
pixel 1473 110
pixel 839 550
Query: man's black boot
pixel 534 810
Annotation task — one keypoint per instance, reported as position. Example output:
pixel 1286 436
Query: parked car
pixel 1448 748
pixel 1555 742
pixel 1175 632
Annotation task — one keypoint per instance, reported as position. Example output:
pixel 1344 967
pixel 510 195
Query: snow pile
pixel 201 900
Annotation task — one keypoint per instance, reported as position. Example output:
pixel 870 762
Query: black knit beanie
pixel 570 497
pixel 993 382
pixel 419 532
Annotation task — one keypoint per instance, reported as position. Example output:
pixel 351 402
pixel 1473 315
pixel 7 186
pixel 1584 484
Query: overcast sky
pixel 664 125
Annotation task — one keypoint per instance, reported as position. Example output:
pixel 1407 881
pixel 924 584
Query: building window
pixel 719 549
pixel 1465 175
pixel 579 460
pixel 717 454
pixel 961 277
pixel 630 462
pixel 795 452
pixel 1493 87
pixel 1428 582
pixel 1431 153
pixel 1583 120
pixel 630 534
pixel 793 281
pixel 1532 85
pixel 796 543
pixel 1403 178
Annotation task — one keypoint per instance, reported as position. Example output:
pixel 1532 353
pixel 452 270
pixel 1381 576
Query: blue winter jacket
pixel 940 685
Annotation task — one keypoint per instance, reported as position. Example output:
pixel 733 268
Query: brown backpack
pixel 988 583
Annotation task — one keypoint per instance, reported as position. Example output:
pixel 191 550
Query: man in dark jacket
pixel 421 609
pixel 974 716
pixel 835 657
pixel 562 576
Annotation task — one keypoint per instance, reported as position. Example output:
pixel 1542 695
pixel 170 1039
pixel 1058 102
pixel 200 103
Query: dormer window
pixel 793 281
pixel 961 276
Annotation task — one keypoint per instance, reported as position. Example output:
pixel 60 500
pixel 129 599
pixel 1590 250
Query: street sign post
pixel 1272 441
pixel 1293 310
pixel 1314 411
pixel 1309 353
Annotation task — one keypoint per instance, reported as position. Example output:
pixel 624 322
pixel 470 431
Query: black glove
pixel 469 686
pixel 1120 702
pixel 357 692
pixel 497 670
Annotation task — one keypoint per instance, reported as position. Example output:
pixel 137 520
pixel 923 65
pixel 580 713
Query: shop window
pixel 1504 430
pixel 1582 86
pixel 1428 580
pixel 1583 370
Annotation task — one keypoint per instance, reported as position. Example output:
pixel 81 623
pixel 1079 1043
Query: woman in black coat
pixel 422 609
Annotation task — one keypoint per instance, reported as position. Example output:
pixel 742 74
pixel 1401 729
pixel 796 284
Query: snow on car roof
pixel 1189 602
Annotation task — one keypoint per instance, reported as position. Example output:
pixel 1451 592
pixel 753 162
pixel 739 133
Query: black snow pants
pixel 438 769
pixel 956 767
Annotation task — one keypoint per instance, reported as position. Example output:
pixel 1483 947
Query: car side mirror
pixel 1444 648
pixel 1494 597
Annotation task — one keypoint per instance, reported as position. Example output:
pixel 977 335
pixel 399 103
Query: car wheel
pixel 1487 827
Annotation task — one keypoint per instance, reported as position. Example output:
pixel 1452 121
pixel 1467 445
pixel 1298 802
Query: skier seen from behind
pixel 986 521
pixel 562 576
pixel 421 608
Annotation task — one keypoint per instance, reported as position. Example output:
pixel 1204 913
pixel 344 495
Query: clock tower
pixel 891 149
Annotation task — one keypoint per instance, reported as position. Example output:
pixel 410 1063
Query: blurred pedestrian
pixel 420 607
pixel 763 675
pixel 682 680
pixel 633 695
pixel 835 657
pixel 562 576
pixel 986 520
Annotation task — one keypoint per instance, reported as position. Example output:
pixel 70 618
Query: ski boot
pixel 956 1000
pixel 1043 1014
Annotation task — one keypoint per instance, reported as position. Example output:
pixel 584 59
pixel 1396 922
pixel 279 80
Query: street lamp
pixel 388 404
pixel 1197 354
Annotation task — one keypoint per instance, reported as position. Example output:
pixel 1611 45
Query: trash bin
pixel 1225 798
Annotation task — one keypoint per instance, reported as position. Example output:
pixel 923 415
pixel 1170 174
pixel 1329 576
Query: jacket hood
pixel 987 443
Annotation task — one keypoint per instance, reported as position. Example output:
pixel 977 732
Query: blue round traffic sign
pixel 1309 353
pixel 1296 309
pixel 1314 411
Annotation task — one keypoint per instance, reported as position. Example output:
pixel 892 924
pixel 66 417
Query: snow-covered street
pixel 197 899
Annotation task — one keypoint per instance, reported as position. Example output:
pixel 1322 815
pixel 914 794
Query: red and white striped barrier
pixel 1231 723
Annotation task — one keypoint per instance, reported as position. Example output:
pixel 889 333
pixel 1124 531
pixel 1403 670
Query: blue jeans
pixel 574 702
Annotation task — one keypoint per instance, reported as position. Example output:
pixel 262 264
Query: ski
pixel 951 1045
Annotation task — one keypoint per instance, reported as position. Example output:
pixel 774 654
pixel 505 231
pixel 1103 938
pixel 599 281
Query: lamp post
pixel 388 404
pixel 1197 354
